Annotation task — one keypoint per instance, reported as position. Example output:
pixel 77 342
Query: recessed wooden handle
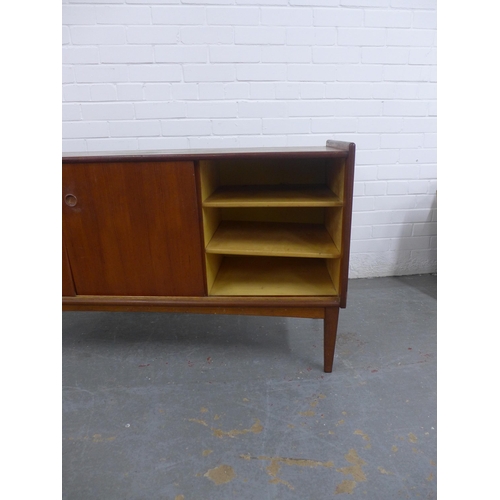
pixel 70 200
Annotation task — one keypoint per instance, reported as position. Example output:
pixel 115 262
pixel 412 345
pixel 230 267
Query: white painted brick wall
pixel 153 74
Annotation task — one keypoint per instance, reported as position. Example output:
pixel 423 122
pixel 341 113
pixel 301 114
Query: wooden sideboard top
pixel 197 154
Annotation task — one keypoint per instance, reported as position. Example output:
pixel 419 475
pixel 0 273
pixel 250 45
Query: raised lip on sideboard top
pixel 199 154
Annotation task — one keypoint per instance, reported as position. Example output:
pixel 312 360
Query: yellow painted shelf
pixel 273 196
pixel 272 276
pixel 273 239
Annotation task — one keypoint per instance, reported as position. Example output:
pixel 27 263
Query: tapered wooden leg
pixel 330 336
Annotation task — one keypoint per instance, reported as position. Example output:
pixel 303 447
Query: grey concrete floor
pixel 210 407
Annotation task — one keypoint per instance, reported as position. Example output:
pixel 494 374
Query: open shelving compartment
pixel 272 226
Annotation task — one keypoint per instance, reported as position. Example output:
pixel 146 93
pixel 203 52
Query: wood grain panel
pixel 288 312
pixel 212 301
pixel 133 228
pixel 284 153
pixel 330 336
pixel 68 288
pixel 346 221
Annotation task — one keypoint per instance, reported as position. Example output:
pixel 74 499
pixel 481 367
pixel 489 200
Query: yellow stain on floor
pixel 346 486
pixel 198 421
pixel 365 437
pixel 355 470
pixel 383 471
pixel 256 429
pixel 96 438
pixel 412 438
pixel 272 469
pixel 221 474
pixel 276 462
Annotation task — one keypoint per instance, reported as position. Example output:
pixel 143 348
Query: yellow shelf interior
pixel 272 239
pixel 272 227
pixel 280 195
pixel 273 276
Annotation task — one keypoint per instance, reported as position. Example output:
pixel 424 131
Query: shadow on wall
pixel 417 253
pixel 413 247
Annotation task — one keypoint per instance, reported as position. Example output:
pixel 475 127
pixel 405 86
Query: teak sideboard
pixel 250 232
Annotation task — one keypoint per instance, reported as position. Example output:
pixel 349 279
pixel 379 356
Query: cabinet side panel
pixel 133 228
pixel 334 225
pixel 346 222
pixel 335 176
pixel 68 288
pixel 209 178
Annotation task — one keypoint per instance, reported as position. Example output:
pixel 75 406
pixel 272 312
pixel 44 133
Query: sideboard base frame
pixel 329 314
